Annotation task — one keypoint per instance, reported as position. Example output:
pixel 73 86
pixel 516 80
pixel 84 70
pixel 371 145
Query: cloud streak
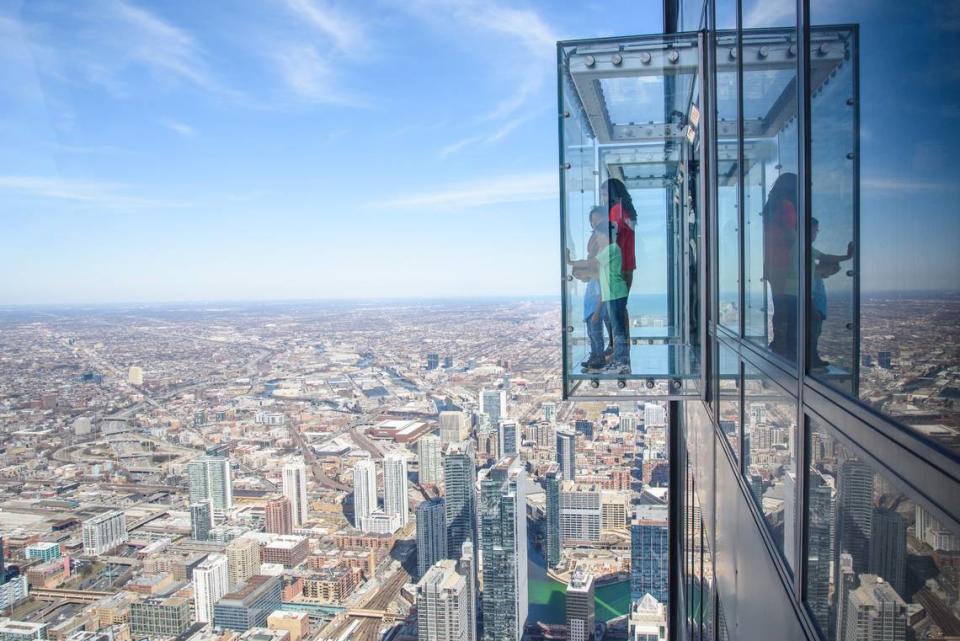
pixel 109 195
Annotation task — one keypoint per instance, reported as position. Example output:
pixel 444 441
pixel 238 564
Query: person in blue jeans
pixel 613 296
pixel 586 271
pixel 822 266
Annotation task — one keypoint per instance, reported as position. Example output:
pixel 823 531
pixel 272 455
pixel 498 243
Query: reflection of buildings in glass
pixel 855 506
pixel 875 612
pixel 933 533
pixel 888 548
pixel 820 536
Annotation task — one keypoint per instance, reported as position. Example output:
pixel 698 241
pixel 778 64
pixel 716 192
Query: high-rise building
pixel 278 516
pixel 249 606
pixel 493 403
pixel 654 415
pixel 875 612
pixel 433 361
pixel 888 548
pixel 395 501
pixel 648 620
pixel 508 437
pixel 295 489
pixel 549 412
pixel 454 427
pixel 135 375
pixel 201 520
pixel 429 460
pixel 431 534
pixel 467 567
pixel 855 512
pixel 442 604
pixel 567 454
pixel 584 427
pixel 581 614
pixel 820 547
pixel 459 480
pixel 156 617
pixel 628 423
pixel 650 553
pixel 364 493
pixel 210 480
pixel 211 580
pixel 243 560
pixel 846 583
pixel 504 543
pixel 551 536
pixel 43 551
pixel 104 532
pixel 581 513
pixel 885 360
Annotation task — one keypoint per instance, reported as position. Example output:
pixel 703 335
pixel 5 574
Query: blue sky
pixel 276 149
pixel 292 149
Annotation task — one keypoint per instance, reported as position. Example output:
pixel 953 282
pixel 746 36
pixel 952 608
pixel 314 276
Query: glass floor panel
pixel 646 361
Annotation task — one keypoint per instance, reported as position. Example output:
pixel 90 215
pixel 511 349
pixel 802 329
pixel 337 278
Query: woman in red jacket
pixel 780 262
pixel 615 197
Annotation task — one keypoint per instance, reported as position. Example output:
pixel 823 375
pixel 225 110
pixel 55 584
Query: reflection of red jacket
pixel 626 240
pixel 780 244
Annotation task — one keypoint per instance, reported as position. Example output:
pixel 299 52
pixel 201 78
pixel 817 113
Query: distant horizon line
pixel 377 299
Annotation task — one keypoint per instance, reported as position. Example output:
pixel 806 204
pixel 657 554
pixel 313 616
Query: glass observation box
pixel 663 146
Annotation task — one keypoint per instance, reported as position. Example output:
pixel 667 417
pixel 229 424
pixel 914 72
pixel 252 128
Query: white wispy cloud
pixel 179 127
pixel 893 184
pixel 107 195
pixel 310 76
pixel 496 135
pixel 498 190
pixel 162 46
pixel 346 32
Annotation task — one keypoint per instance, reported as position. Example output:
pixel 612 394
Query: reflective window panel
pixel 769 98
pixel 769 456
pixel 728 219
pixel 880 565
pixel 885 131
pixel 729 397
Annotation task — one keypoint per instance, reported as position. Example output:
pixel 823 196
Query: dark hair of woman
pixel 784 188
pixel 617 193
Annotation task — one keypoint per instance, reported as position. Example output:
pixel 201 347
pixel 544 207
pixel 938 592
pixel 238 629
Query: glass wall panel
pixel 905 194
pixel 833 305
pixel 769 99
pixel 578 151
pixel 769 456
pixel 880 565
pixel 728 179
pixel 729 397
pixel 631 214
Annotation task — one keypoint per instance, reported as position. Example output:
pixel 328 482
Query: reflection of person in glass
pixel 623 215
pixel 613 292
pixel 822 266
pixel 780 262
pixel 587 271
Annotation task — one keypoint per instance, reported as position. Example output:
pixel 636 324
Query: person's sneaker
pixel 619 369
pixel 593 366
pixel 818 363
